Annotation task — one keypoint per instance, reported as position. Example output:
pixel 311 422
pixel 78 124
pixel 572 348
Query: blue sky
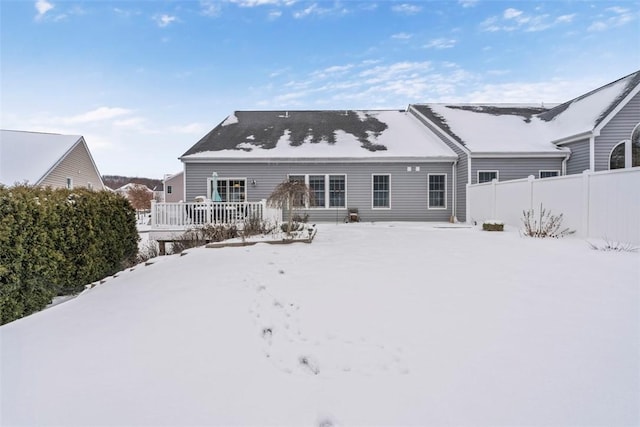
pixel 144 81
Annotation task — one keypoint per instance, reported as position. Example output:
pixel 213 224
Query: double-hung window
pixel 437 191
pixel 381 191
pixel 487 176
pixel 337 191
pixel 317 186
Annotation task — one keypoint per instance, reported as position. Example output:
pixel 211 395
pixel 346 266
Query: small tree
pixel 140 197
pixel 290 195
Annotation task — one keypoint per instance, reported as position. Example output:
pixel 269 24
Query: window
pixel 548 174
pixel 169 189
pixel 89 186
pixel 337 191
pixel 316 184
pixel 230 189
pixel 618 154
pixel 381 191
pixel 69 183
pixel 487 176
pixel 437 191
pixel 328 190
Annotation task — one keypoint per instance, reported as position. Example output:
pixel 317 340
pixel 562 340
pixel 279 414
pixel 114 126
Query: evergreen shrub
pixel 55 241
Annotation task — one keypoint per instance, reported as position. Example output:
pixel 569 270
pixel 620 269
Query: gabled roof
pixel 519 128
pixel 319 134
pixel 30 156
pixel 489 128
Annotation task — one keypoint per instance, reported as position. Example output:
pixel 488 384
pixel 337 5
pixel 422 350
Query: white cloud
pixel 191 128
pixel 406 8
pixel 164 20
pixel 618 16
pixel 307 11
pixel 517 20
pixel 255 3
pixel 209 8
pixel 467 3
pixel 127 13
pixel 316 10
pixel 97 115
pixel 274 14
pixel 441 44
pixel 401 36
pixel 565 18
pixel 43 6
pixel 512 13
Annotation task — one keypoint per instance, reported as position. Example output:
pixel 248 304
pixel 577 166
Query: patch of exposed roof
pixel 319 134
pixel 28 156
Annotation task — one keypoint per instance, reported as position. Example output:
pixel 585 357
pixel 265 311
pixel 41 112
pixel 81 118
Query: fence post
pixel 153 213
pixel 586 177
pixel 493 198
pixel 532 180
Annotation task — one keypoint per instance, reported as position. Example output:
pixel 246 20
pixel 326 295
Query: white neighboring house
pixel 47 159
pixel 124 190
pixel 174 187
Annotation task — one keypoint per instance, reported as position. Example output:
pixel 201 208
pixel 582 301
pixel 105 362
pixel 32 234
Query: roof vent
pixel 286 115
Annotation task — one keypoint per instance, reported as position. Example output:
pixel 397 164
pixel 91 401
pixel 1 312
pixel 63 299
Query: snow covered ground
pixel 371 324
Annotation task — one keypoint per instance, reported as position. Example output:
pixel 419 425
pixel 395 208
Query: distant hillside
pixel 116 181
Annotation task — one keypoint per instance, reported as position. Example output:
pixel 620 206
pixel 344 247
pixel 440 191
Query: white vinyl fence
pixel 603 205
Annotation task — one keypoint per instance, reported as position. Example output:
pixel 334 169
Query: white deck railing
pixel 186 215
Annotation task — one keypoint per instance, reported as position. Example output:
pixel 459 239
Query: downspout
pixel 454 205
pixel 592 153
pixel 564 162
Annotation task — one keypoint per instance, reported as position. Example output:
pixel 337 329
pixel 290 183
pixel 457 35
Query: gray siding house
pixel 503 142
pixel 46 159
pixel 386 164
pixel 414 164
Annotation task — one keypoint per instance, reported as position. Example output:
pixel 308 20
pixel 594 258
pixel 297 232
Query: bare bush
pixel 148 251
pixel 611 246
pixel 291 195
pixel 544 224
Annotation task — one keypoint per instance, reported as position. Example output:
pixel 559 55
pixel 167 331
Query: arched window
pixel 616 159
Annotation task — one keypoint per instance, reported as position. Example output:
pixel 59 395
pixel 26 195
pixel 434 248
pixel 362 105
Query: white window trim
pixel 557 171
pixel 624 141
pixel 445 192
pixel 380 207
pixel 327 198
pixel 224 178
pixel 478 172
pixel 69 183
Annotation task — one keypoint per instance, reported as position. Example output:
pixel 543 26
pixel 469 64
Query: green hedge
pixel 54 242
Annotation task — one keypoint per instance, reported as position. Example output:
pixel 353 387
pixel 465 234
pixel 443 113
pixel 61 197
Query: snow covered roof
pixel 519 128
pixel 29 156
pixel 319 135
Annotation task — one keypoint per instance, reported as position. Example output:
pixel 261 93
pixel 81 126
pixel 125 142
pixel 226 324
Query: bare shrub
pixel 147 251
pixel 611 246
pixel 544 224
pixel 254 226
pixel 291 195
